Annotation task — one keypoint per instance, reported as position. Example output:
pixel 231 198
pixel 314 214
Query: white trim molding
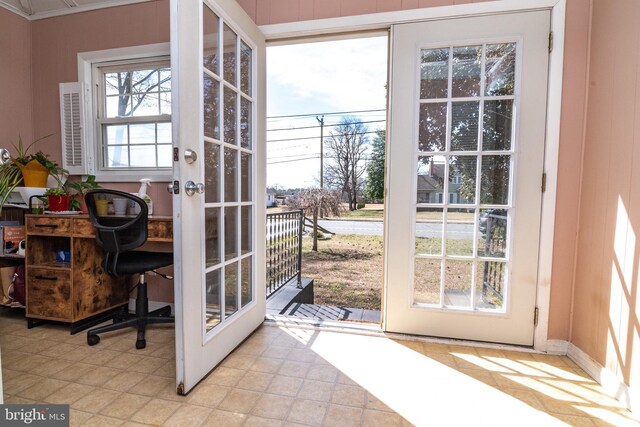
pixel 612 385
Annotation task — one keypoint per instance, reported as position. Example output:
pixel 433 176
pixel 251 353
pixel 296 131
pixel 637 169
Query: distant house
pixel 271 199
pixel 431 185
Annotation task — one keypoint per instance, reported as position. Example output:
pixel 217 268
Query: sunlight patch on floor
pixel 420 389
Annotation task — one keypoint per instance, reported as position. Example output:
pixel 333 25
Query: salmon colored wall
pixel 607 302
pixel 571 132
pixel 56 43
pixel 15 80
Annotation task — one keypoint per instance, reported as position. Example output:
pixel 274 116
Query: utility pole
pixel 321 121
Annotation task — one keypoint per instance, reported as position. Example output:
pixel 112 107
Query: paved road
pixel 374 228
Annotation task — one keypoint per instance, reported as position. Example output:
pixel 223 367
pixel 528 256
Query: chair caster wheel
pixel 140 344
pixel 93 339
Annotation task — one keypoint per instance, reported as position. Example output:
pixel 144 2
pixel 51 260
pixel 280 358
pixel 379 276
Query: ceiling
pixel 39 9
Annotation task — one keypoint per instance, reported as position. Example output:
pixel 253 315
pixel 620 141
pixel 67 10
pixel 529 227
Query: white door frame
pixel 278 33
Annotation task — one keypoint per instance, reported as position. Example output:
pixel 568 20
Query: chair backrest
pixel 116 233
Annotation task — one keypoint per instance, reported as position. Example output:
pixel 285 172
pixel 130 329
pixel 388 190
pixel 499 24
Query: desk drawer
pixel 49 294
pixel 48 225
pixel 82 227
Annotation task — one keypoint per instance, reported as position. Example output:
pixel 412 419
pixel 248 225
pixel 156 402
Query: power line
pixel 315 137
pixel 315 127
pixel 325 114
pixel 294 160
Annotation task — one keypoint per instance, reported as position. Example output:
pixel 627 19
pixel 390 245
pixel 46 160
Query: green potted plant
pixel 81 188
pixel 57 199
pixel 32 169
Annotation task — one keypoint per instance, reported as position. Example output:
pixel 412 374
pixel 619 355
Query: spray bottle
pixel 142 193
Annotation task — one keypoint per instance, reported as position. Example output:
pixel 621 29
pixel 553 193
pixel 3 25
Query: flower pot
pixel 58 203
pixel 34 174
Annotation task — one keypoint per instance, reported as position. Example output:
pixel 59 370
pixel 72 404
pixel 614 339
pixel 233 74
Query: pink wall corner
pixel 606 315
pixel 16 108
pixel 58 40
pixel 569 165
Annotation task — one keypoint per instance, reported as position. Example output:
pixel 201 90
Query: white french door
pixel 218 80
pixel 465 165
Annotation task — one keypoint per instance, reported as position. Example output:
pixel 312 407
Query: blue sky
pixel 314 78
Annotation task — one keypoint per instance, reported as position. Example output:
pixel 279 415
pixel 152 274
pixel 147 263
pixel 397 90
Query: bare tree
pixel 319 202
pixel 347 145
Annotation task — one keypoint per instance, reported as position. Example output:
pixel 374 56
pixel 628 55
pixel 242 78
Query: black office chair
pixel 119 236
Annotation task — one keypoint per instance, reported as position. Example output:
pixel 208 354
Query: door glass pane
pixel 459 232
pixel 231 289
pixel 434 73
pixel 426 283
pixel 496 126
pixel 211 107
pixel 428 231
pixel 500 69
pixel 246 230
pixel 457 283
pixel 430 179
pixel 213 300
pixel 211 172
pixel 245 287
pixel 464 126
pixel 230 116
pixel 230 175
pixel 245 123
pixel 245 180
pixel 245 68
pixel 462 179
pixel 212 236
pixel 229 55
pixel 494 188
pixel 230 233
pixel 492 233
pixel 466 71
pixel 490 284
pixel 433 127
pixel 210 30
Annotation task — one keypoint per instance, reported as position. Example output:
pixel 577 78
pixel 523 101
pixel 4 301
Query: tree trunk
pixel 315 230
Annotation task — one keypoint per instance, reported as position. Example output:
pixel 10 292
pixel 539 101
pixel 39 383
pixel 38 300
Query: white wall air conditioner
pixel 75 149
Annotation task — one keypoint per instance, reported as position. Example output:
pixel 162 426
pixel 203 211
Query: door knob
pixel 191 188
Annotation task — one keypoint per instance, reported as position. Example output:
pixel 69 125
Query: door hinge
pixel 544 182
pixel 535 316
pixel 550 41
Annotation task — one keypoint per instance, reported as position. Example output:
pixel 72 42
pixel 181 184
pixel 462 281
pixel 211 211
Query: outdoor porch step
pixel 327 312
pixel 288 294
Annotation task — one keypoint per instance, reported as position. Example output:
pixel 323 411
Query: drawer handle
pixel 39 277
pixel 47 225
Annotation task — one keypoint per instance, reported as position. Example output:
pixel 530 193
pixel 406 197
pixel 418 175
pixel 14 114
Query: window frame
pixel 88 64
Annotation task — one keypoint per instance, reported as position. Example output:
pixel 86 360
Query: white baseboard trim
pixel 611 384
pixel 153 305
pixel 559 347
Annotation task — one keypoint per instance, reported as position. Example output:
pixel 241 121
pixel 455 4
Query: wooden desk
pixel 76 290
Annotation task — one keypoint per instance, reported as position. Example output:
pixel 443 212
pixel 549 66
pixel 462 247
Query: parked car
pixel 497 217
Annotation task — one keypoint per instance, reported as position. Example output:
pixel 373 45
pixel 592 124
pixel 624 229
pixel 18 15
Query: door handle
pixel 191 188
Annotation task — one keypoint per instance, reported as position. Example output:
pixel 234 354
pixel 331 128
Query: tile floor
pixel 289 376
